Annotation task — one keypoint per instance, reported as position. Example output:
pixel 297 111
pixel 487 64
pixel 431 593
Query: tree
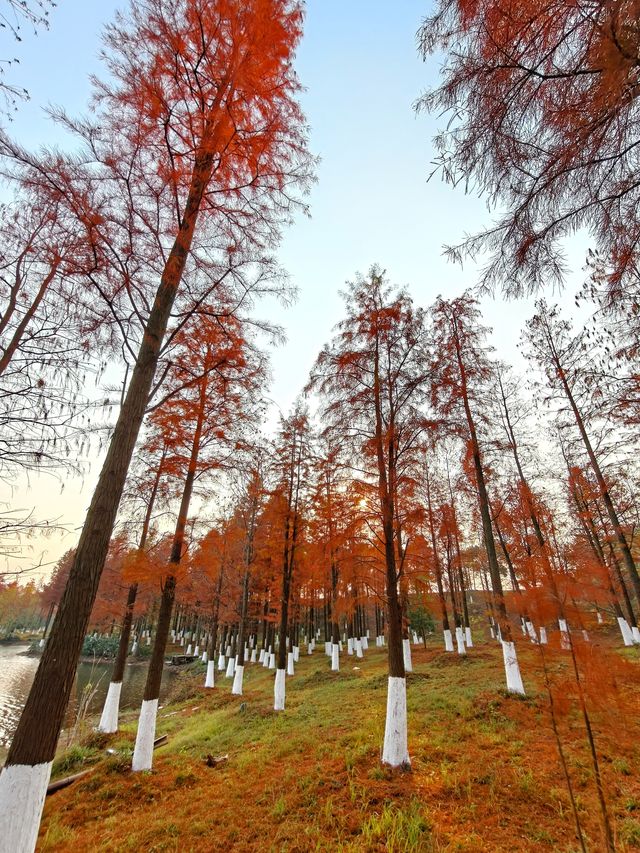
pixel 544 122
pixel 216 380
pixel 292 455
pixel 460 370
pixel 560 355
pixel 208 95
pixel 371 380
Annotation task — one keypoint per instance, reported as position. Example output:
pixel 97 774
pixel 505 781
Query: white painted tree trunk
pixel 512 669
pixel 460 641
pixel 358 645
pixel 228 651
pixel 143 750
pixel 261 658
pixel 221 663
pixel 41 644
pixel 532 632
pixel 448 640
pixel 205 656
pixel 350 646
pixel 625 630
pixel 327 649
pixel 365 643
pixel 254 656
pixel 210 680
pixel 272 660
pixel 335 658
pixel 231 666
pixel 394 750
pixel 296 654
pixel 599 617
pixel 290 669
pixel 564 633
pixel 310 648
pixel 468 637
pixel 23 788
pixel 406 654
pixel 196 651
pixel 543 635
pixel 109 719
pixel 237 681
pixel 635 633
pixel 134 648
pixel 279 690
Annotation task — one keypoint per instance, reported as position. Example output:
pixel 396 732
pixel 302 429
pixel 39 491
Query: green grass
pixel 484 777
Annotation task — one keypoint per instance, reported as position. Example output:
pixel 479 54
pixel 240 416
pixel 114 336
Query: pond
pixel 17 671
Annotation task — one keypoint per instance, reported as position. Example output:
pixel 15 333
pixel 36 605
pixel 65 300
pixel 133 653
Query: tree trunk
pixel 34 742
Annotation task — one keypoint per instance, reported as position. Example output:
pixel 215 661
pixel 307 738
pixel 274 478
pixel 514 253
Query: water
pixel 17 672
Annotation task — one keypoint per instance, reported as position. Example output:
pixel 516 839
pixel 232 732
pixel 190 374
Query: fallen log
pixel 68 780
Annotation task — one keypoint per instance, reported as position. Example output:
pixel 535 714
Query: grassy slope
pixel 485 774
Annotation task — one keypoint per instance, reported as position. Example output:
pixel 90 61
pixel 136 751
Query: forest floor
pixel 485 773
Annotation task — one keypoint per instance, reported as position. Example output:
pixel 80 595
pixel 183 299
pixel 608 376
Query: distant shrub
pixel 421 621
pixel 100 647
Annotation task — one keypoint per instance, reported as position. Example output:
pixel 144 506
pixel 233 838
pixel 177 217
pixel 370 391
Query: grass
pixel 485 774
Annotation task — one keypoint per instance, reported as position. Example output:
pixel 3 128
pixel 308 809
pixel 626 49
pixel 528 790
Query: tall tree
pixel 460 371
pixel 560 355
pixel 371 380
pixel 545 124
pixel 208 94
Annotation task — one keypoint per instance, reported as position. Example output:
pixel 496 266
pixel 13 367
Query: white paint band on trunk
pixel 543 635
pixel 358 647
pixel 531 631
pixel 254 656
pixel 625 630
pixel 272 660
pixel 221 663
pixel 143 751
pixel 296 654
pixel 394 750
pixel 468 638
pixel 448 640
pixel 279 690
pixel 109 719
pixel 350 646
pixel 210 680
pixel 512 669
pixel 261 658
pixel 460 641
pixel 635 633
pixel 564 634
pixel 23 788
pixel 335 657
pixel 237 681
pixel 231 666
pixel 406 654
pixel 290 669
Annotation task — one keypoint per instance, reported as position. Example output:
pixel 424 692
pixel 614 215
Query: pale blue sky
pixel 372 203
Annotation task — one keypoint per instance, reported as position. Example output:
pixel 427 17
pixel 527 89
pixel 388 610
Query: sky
pixel 373 202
